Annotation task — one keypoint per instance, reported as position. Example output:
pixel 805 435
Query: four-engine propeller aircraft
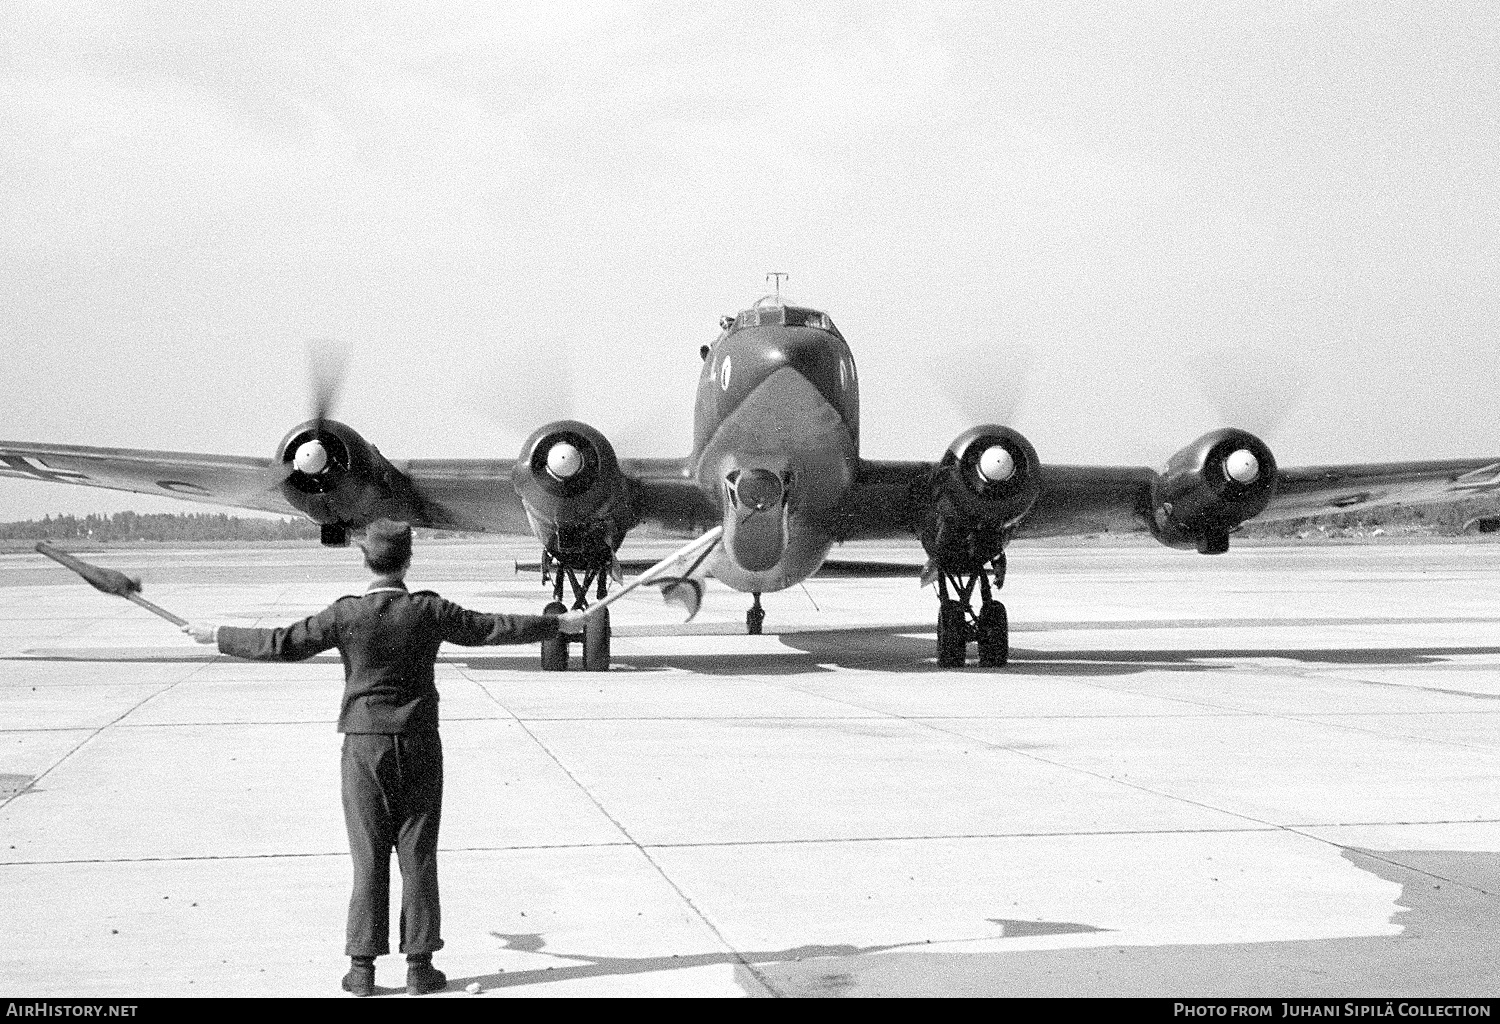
pixel 775 463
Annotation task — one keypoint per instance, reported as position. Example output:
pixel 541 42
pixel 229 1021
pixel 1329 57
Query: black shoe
pixel 360 980
pixel 424 978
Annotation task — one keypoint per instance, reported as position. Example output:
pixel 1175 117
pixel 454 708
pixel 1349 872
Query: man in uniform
pixel 392 765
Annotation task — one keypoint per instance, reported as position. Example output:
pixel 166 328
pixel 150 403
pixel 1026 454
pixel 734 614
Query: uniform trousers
pixel 393 797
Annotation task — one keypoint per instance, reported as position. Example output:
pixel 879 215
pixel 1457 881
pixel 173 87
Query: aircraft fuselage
pixel 776 442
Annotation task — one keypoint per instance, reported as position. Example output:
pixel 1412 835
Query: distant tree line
pixel 1446 520
pixel 164 526
pixel 1431 520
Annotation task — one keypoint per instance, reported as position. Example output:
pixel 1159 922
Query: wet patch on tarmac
pixel 1449 946
pixel 10 785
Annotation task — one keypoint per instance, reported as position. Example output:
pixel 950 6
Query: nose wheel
pixel 596 630
pixel 959 623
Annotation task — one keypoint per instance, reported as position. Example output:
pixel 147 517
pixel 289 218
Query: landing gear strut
pixel 959 623
pixel 755 617
pixel 596 631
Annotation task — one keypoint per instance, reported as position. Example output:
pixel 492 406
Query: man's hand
pixel 203 632
pixel 571 622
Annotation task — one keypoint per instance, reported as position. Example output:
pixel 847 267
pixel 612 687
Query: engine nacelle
pixel 986 482
pixel 1211 487
pixel 576 497
pixel 339 480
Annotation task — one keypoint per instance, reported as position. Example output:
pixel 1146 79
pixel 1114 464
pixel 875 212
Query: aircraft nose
pixel 761 353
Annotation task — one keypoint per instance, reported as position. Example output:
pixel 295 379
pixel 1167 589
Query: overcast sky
pixel 1146 214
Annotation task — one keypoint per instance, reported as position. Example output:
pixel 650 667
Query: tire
pixel 952 635
pixel 755 619
pixel 555 651
pixel 994 635
pixel 596 642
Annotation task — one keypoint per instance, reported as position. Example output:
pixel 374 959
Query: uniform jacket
pixel 389 641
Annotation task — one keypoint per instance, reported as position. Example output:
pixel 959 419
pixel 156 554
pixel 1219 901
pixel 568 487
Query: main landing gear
pixel 959 623
pixel 596 632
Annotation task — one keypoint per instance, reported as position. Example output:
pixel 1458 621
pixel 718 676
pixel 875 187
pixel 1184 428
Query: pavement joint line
pixel 1307 718
pixel 1073 768
pixel 1315 719
pixel 76 728
pixel 344 854
pixel 1287 828
pixel 1367 731
pixel 645 854
pixel 198 667
pixel 1055 764
pixel 813 719
pixel 1393 824
pixel 1386 858
pixel 833 840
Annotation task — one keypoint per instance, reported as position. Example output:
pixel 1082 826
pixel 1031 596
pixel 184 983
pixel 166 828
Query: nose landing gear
pixel 958 622
pixel 755 617
pixel 596 632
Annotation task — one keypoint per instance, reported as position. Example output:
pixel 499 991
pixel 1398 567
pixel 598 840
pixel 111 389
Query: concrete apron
pixel 1262 774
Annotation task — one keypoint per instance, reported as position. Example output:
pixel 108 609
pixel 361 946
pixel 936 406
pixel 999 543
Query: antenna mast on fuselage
pixel 779 277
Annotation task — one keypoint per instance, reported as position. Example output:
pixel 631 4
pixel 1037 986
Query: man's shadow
pixel 609 966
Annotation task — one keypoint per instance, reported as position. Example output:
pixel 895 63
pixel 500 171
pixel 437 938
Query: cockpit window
pixel 762 316
pixel 790 316
pixel 806 318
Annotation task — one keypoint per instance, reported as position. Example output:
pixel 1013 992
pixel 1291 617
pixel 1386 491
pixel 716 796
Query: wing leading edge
pixel 477 495
pixel 472 495
pixel 886 501
pixel 889 498
pixel 238 481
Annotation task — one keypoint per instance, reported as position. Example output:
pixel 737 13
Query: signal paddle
pixel 108 581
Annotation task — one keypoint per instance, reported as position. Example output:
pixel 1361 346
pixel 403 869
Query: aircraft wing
pixel 889 498
pixel 235 480
pixel 476 494
pixel 458 494
pixel 1325 490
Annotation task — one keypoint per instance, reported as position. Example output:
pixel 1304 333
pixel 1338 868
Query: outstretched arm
pixel 300 640
pixel 475 629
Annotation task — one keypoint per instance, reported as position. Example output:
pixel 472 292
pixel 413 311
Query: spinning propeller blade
pixel 1250 388
pixel 327 362
pixel 987 385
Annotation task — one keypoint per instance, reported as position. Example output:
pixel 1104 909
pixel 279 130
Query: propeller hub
pixel 311 457
pixel 1242 466
pixel 564 460
pixel 997 465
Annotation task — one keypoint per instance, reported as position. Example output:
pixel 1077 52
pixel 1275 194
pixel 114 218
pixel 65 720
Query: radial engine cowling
pixel 1211 487
pixel 987 481
pixel 576 497
pixel 340 480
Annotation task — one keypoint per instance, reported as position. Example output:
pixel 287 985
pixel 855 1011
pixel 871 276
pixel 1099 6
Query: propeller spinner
pixel 1242 466
pixel 997 465
pixel 311 457
pixel 564 460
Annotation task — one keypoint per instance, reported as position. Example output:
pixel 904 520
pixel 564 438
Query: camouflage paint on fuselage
pixel 778 397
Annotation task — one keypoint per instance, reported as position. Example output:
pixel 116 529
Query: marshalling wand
pixel 108 581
